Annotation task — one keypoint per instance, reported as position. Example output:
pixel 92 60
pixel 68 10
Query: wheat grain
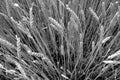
pixel 1 66
pixel 93 45
pixel 16 5
pixel 27 48
pixel 7 7
pixel 25 19
pixel 62 50
pixel 46 59
pixel 101 33
pixel 37 54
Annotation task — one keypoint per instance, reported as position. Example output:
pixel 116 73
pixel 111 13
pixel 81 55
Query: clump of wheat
pixel 59 39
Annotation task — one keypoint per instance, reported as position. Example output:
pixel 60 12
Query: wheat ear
pixel 94 14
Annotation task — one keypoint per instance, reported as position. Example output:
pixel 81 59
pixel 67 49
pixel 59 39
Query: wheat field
pixel 59 40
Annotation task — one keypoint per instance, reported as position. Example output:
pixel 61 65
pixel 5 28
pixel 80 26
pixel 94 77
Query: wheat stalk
pixel 101 32
pixel 103 8
pixel 5 42
pixel 31 15
pixel 93 45
pixel 18 46
pixel 1 66
pixel 4 15
pixel 106 39
pixel 7 7
pixel 114 19
pixel 64 76
pixel 111 62
pixel 114 55
pixel 62 50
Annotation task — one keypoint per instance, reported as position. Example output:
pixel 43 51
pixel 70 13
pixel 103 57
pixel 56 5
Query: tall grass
pixel 59 40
